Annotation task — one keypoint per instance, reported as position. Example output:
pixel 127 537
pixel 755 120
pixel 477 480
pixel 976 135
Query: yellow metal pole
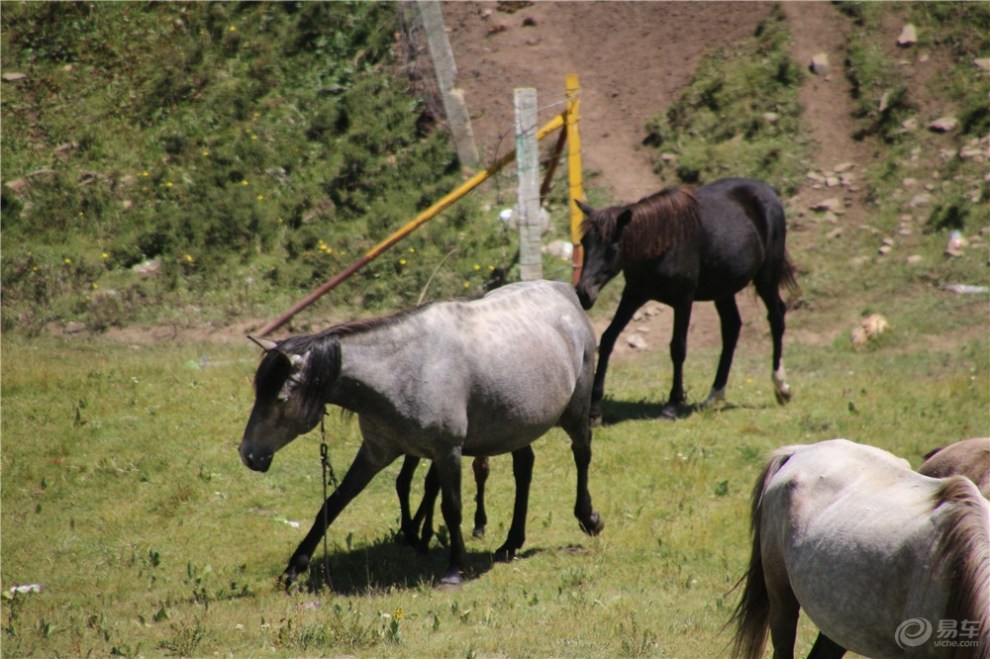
pixel 575 188
pixel 431 212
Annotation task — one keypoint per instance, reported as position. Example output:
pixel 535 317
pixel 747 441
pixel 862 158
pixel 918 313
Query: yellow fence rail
pixel 567 119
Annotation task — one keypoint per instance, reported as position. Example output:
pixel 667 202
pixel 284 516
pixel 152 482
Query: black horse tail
pixel 752 614
pixel 765 210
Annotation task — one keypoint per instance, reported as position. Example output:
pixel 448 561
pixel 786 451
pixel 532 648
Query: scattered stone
pixel 909 182
pixel 843 167
pixel 982 63
pixel 833 204
pixel 914 259
pixel 884 250
pixel 966 289
pixel 562 249
pixel 869 329
pixel 819 64
pixel 74 327
pixel 636 342
pixel 771 117
pixel 834 233
pixel 147 268
pixel 14 77
pixel 909 125
pixel 832 181
pixel 943 125
pixel 920 200
pixel 908 36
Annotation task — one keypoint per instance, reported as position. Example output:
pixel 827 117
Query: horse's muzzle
pixel 256 461
pixel 586 296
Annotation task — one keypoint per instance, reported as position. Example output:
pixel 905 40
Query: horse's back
pixel 522 355
pixel 856 531
pixel 968 457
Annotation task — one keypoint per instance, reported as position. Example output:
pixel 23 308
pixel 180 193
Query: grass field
pixel 125 500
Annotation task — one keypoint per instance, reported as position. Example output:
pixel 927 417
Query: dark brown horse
pixel 681 245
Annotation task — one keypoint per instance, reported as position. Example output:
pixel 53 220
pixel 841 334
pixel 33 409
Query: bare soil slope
pixel 633 60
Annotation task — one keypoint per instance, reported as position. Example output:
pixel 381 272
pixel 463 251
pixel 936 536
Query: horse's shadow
pixel 387 564
pixel 615 412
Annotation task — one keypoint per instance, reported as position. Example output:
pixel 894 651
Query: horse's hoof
pixel 478 533
pixel 504 555
pixel 451 580
pixel 596 421
pixel 594 525
pixel 783 396
pixel 669 412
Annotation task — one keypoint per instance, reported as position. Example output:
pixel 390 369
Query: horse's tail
pixel 964 551
pixel 752 614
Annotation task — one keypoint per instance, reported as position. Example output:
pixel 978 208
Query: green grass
pixel 125 499
pixel 123 495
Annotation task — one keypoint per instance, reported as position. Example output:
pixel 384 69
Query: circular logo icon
pixel 913 632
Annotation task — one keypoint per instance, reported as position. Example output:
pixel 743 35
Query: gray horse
pixel 484 377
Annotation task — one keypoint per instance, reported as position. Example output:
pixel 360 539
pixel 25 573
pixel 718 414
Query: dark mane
pixel 656 223
pixel 323 363
pixel 965 551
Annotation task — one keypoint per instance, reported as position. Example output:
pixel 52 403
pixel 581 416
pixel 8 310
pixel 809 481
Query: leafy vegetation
pixel 252 149
pixel 720 127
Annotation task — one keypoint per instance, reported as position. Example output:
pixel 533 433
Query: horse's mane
pixel 965 552
pixel 323 366
pixel 656 223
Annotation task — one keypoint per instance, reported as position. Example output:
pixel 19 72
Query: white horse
pixel 885 561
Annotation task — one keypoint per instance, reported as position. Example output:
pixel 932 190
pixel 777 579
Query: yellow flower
pixel 399 614
pixel 145 173
pixel 169 184
pixel 476 267
pixel 67 261
pixel 412 250
pixel 206 153
pixel 188 258
pixel 254 137
pixel 490 268
pixel 245 182
pixel 467 284
pixel 232 28
pixel 402 261
pixel 95 286
pixel 261 197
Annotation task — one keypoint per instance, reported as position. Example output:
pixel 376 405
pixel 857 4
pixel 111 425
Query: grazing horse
pixel 968 457
pixel 681 245
pixel 875 553
pixel 476 378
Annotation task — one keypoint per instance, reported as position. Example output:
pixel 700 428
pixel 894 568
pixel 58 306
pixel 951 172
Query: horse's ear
pixel 266 344
pixel 585 208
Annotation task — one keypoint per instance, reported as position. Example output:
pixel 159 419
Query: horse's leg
pixel 403 485
pixel 728 314
pixel 776 310
pixel 522 472
pixel 826 648
pixel 481 469
pixel 360 473
pixel 579 430
pixel 678 352
pixel 449 471
pixel 424 514
pixel 628 305
pixel 784 610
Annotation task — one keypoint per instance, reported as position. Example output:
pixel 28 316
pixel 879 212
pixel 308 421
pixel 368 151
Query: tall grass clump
pixel 740 115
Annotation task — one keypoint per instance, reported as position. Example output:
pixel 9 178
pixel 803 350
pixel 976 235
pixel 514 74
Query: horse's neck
pixel 372 366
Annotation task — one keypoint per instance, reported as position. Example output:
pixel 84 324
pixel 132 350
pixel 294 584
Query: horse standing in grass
pixel 875 553
pixel 476 378
pixel 681 245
